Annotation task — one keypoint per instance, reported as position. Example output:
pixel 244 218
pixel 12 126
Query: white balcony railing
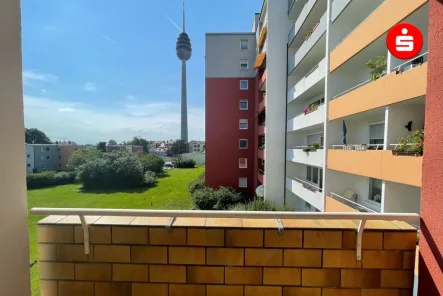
pixel 418 60
pixel 307 191
pixel 312 40
pixel 173 214
pixel 314 158
pixel 351 204
pixel 301 19
pixel 314 75
pixel 302 120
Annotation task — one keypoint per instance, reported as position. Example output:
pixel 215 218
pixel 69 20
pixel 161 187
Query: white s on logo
pixel 405 42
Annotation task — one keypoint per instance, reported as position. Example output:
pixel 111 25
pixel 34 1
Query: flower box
pixel 406 153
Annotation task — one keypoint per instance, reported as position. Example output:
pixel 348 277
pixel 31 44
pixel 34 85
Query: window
pixel 243 163
pixel 29 165
pixel 29 155
pixel 314 175
pixel 59 165
pixel 243 84
pixel 375 190
pixel 244 44
pixel 243 144
pixel 244 105
pixel 318 102
pixel 243 124
pixel 242 182
pixel 315 138
pixel 59 157
pixel 48 157
pixel 377 133
pixel 47 148
pixel 243 65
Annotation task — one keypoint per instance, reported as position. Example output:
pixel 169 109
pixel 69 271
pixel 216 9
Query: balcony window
pixel 243 65
pixel 242 182
pixel 243 84
pixel 244 105
pixel 244 44
pixel 315 139
pixel 375 190
pixel 243 163
pixel 243 124
pixel 243 144
pixel 314 175
pixel 376 133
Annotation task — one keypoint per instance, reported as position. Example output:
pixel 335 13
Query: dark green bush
pixel 227 197
pixel 150 178
pixel 262 206
pixel 197 184
pixel 153 163
pixel 182 163
pixel 204 199
pixel 113 170
pixel 49 179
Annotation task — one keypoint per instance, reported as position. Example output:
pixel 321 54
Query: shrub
pixel 49 179
pixel 150 178
pixel 227 197
pixel 262 206
pixel 182 163
pixel 113 170
pixel 204 199
pixel 153 163
pixel 81 157
pixel 197 184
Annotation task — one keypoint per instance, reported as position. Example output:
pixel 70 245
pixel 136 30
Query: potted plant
pixel 306 111
pixel 315 146
pixel 315 26
pixel 412 144
pixel 307 149
pixel 308 35
pixel 348 147
pixel 377 67
pixel 313 107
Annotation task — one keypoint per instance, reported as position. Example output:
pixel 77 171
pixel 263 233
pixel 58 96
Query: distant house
pixel 130 148
pixel 196 146
pixel 41 158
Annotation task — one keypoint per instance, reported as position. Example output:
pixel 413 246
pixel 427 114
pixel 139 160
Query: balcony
pixel 310 43
pixel 389 13
pixel 306 191
pixel 379 164
pixel 339 204
pixel 310 85
pixel 310 14
pixel 390 89
pixel 294 8
pixel 311 120
pixel 261 177
pixel 261 152
pixel 312 158
pixel 262 80
pixel 261 102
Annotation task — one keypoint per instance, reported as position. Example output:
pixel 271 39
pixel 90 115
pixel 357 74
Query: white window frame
pixel 239 145
pixel 369 131
pixel 240 165
pixel 319 175
pixel 247 104
pixel 371 186
pixel 244 62
pixel 247 84
pixel 240 179
pixel 247 44
pixel 243 122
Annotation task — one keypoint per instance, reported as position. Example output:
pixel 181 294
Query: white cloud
pixel 29 76
pixel 89 86
pixel 153 120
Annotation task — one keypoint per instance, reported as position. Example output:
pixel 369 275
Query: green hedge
pixel 222 198
pixel 182 163
pixel 49 179
pixel 261 205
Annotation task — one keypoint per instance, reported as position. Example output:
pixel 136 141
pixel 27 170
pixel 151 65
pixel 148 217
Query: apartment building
pixel 29 150
pixel 196 146
pixel 337 147
pixel 43 158
pixel 64 152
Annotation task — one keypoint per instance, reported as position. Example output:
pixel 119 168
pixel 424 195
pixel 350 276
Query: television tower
pixel 184 51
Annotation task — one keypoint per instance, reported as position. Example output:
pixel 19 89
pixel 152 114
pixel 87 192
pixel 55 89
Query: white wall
pixel 399 115
pixel 199 158
pixel 401 198
pixel 223 55
pixel 295 202
pixel 338 182
pixel 275 154
pixel 14 246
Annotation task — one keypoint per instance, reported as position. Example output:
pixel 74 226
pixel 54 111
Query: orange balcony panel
pixel 261 153
pixel 390 89
pixel 261 130
pixel 377 164
pixel 378 23
pixel 335 206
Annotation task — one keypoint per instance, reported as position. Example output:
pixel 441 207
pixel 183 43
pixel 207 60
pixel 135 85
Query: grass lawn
pixel 170 192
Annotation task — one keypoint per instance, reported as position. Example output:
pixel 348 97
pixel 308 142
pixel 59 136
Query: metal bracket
pixel 85 233
pixel 280 227
pixel 361 227
pixel 170 222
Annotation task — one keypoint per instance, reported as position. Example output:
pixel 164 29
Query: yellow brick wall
pixel 227 258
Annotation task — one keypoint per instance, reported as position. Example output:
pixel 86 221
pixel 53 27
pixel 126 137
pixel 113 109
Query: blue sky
pixel 95 70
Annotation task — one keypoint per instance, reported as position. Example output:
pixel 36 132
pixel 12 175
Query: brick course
pixel 238 259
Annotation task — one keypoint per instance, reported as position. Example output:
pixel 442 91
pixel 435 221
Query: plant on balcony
pixel 307 149
pixel 348 147
pixel 361 147
pixel 315 146
pixel 310 109
pixel 412 144
pixel 377 67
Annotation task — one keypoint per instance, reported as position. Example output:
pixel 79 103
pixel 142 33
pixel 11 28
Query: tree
pixel 36 136
pixel 81 157
pixel 138 141
pixel 112 142
pixel 101 146
pixel 179 147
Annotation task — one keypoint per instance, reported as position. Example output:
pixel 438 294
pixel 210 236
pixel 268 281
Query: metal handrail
pixel 308 112
pixel 352 202
pixel 306 182
pixel 301 147
pixel 410 61
pixel 395 145
pixel 369 145
pixel 173 214
pixel 357 86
